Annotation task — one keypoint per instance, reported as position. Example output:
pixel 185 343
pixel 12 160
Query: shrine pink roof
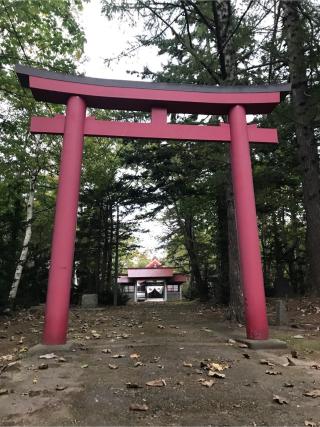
pixel 142 96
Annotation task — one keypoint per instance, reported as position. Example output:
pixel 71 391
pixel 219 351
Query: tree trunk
pixel 116 260
pixel 110 253
pixel 223 17
pixel 236 303
pixel 186 228
pixel 25 246
pixel 304 124
pixel 222 291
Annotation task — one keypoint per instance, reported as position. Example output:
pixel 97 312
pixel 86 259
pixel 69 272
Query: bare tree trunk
pixel 25 246
pixel 236 303
pixel 304 123
pixel 110 253
pixel 223 17
pixel 116 260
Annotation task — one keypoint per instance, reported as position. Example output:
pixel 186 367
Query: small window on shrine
pixel 128 288
pixel 173 288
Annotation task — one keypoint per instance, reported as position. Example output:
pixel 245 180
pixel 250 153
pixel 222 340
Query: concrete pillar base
pixel 270 344
pixel 46 348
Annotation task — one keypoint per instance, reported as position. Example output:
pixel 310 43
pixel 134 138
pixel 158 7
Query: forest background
pixel 187 185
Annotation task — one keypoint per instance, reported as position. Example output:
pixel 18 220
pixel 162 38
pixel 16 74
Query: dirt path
pixel 156 341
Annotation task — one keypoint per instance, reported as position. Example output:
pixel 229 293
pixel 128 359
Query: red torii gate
pixel 78 93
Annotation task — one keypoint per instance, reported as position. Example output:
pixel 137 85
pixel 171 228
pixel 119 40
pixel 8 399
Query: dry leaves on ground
pixel 266 362
pixel 48 356
pixel 216 374
pixel 134 356
pixel 43 366
pixel 206 383
pixel 60 387
pixel 156 383
pixel 313 393
pixel 187 365
pixel 138 407
pixel 273 372
pixel 279 400
pixel 111 366
pixel 133 385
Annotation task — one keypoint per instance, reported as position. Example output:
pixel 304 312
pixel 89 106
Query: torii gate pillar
pixel 247 229
pixel 65 223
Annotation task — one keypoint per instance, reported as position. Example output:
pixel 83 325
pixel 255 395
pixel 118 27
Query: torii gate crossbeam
pixel 159 99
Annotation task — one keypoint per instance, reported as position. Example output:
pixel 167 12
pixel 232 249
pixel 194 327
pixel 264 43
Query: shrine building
pixel 154 283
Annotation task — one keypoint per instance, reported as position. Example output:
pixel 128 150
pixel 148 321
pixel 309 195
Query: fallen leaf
pixel 3 391
pixel 62 359
pixel 291 362
pixel 266 362
pixel 106 350
pixel 35 380
pixel 298 337
pixel 156 383
pixel 231 341
pixel 84 366
pixel 315 366
pixel 213 366
pixel 43 366
pixel 289 385
pixel 246 355
pixel 33 393
pixel 134 356
pixel 216 374
pixel 160 326
pixel 111 366
pixel 48 356
pixel 187 365
pixel 310 423
pixel 95 334
pixel 118 356
pixel 133 385
pixel 137 407
pixel 312 393
pixel 138 364
pixel 60 387
pixel 242 345
pixel 206 383
pixel 7 357
pixel 279 400
pixel 273 373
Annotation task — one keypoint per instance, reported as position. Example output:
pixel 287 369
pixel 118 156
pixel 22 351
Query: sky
pixel 107 39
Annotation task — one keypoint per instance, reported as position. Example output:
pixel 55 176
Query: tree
pixel 295 15
pixel 36 33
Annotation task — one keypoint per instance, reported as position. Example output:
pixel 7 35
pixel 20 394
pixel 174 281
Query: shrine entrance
pixel 159 99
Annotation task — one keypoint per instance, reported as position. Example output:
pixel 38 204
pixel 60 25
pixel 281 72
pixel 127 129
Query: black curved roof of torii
pixel 24 72
pixel 175 97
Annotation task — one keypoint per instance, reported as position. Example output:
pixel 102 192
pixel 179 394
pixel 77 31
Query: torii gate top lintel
pixel 143 96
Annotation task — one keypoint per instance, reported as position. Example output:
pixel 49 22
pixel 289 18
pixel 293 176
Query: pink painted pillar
pixel 248 238
pixel 64 232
